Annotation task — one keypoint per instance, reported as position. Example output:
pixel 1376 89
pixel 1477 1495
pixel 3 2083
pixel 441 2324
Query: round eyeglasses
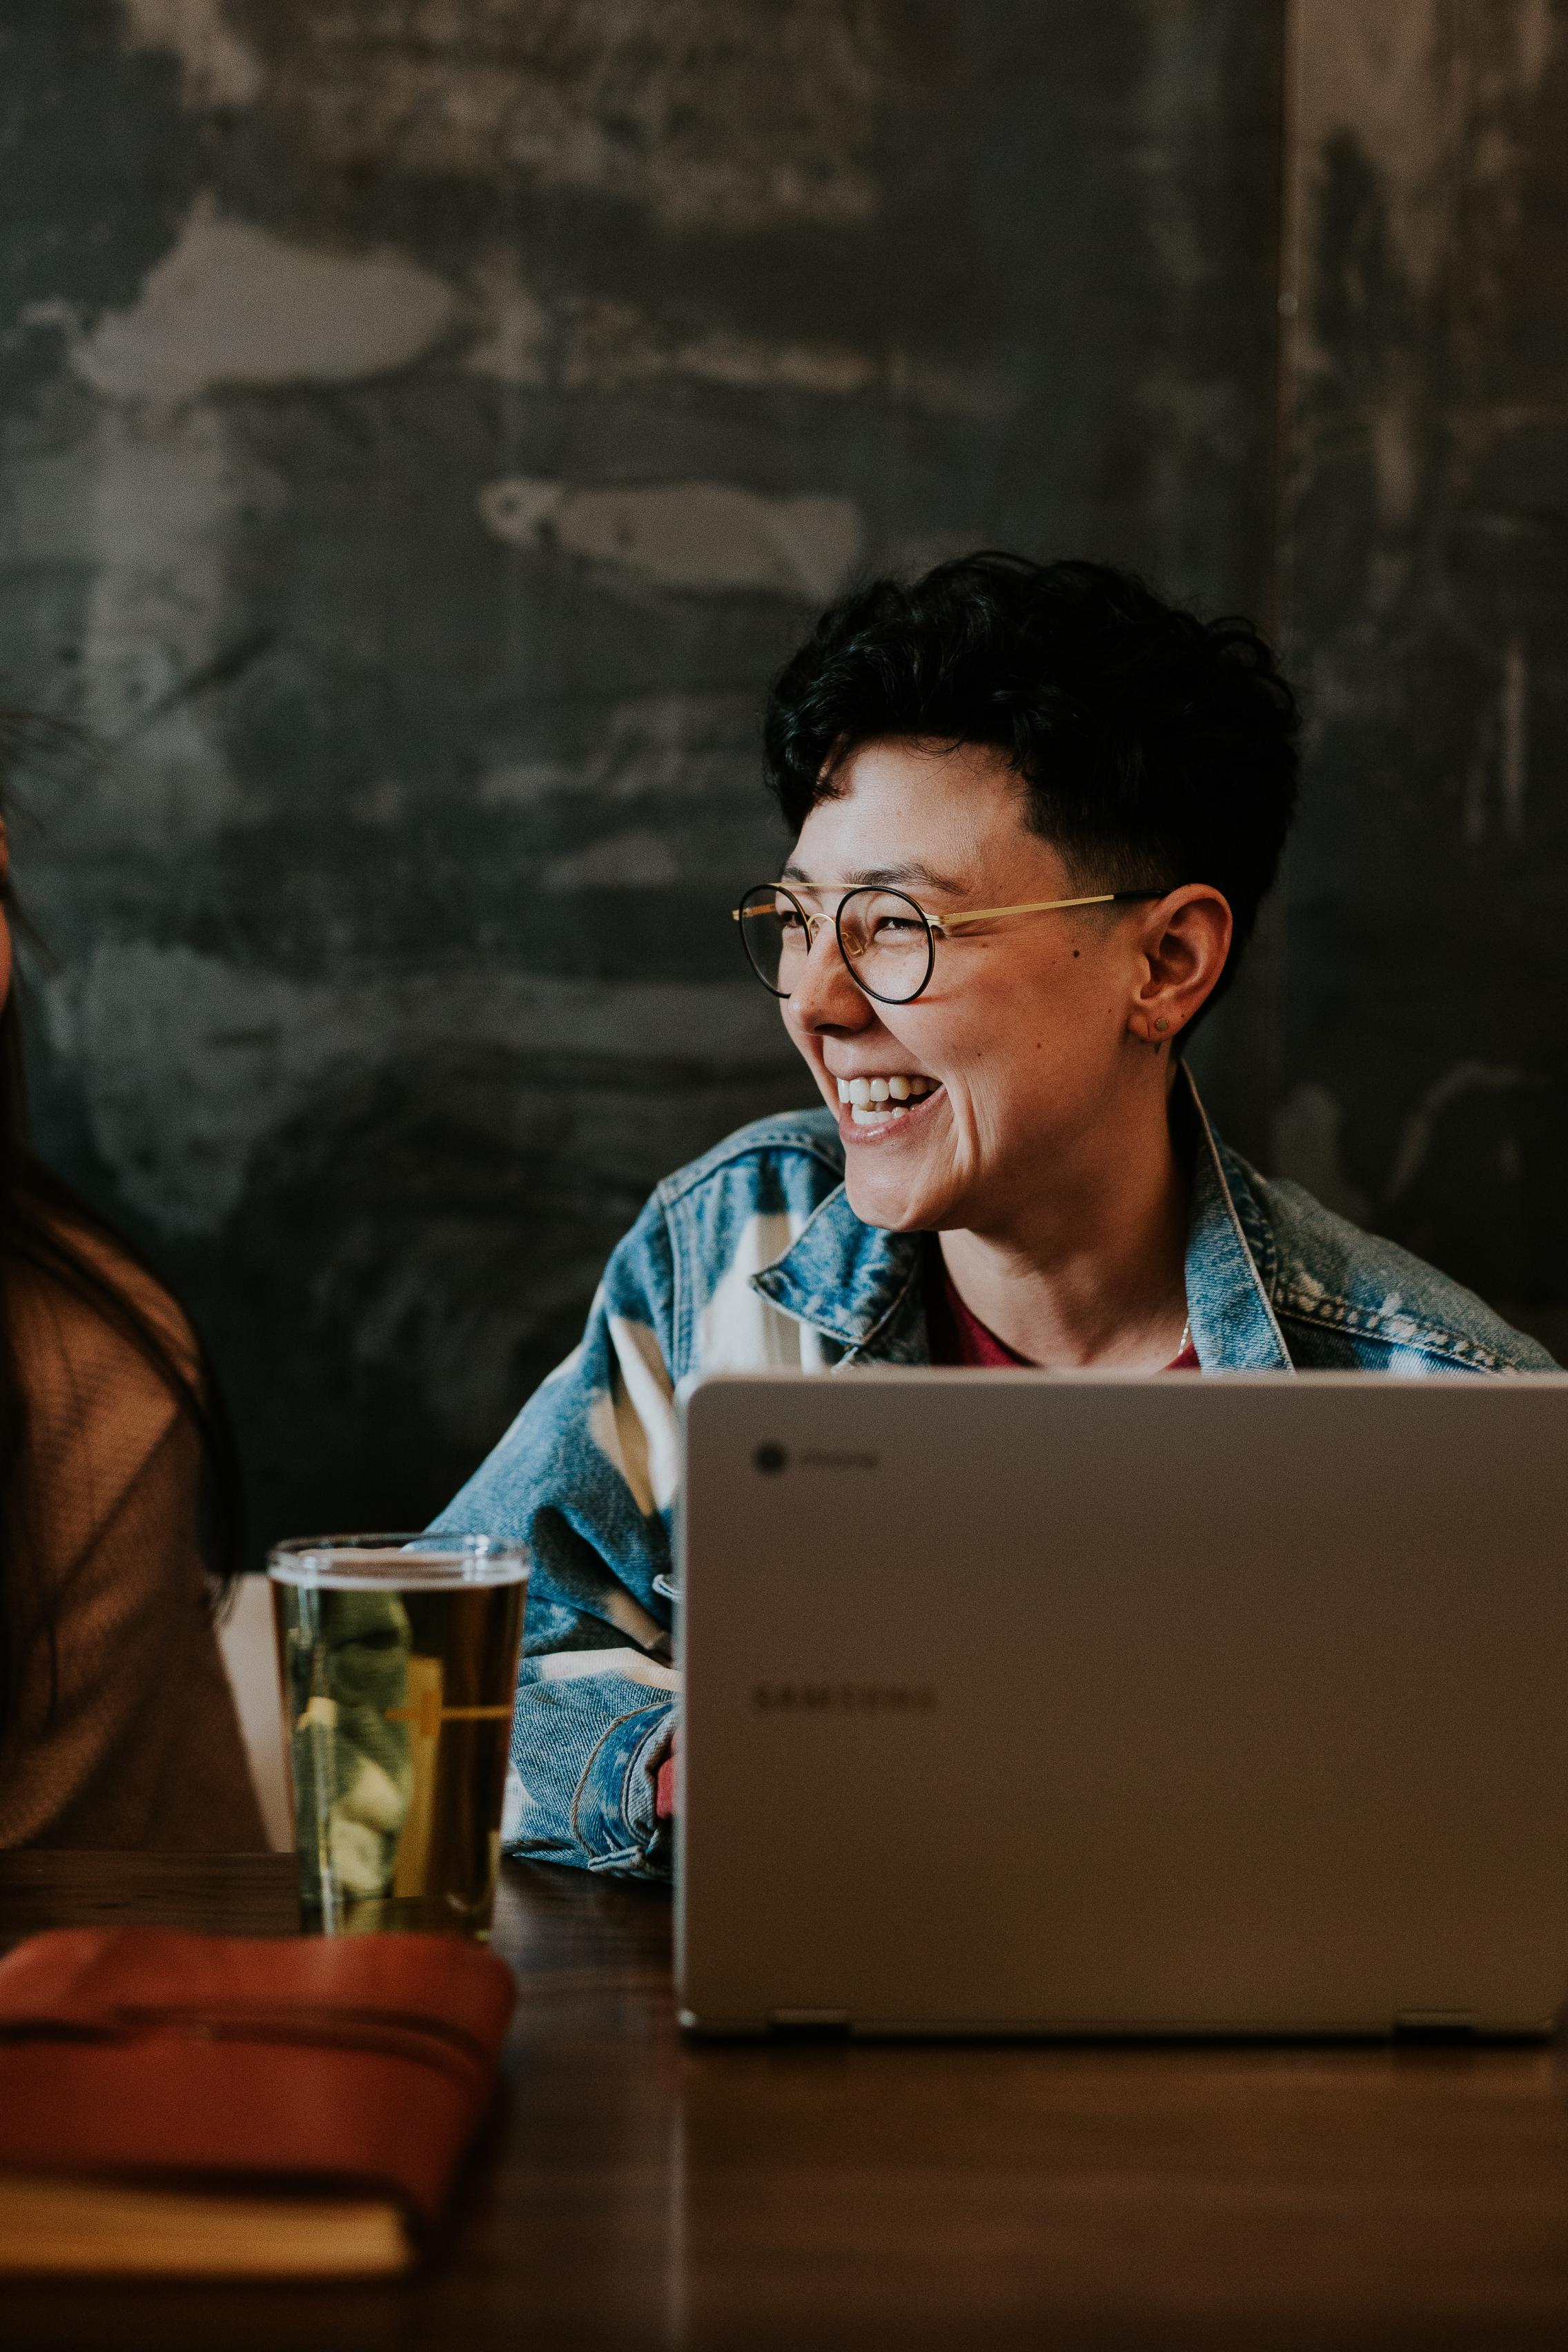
pixel 887 940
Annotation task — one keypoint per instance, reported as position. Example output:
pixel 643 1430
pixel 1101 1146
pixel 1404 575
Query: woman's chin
pixel 896 1201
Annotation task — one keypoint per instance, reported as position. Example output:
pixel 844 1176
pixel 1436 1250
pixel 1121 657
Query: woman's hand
pixel 664 1784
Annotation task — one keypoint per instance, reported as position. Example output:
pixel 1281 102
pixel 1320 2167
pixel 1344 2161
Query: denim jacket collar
pixel 1230 1250
pixel 857 1284
pixel 861 1287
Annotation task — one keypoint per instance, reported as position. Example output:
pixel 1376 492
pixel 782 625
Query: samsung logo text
pixel 843 1698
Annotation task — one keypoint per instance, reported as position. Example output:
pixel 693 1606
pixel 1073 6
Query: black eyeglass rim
pixel 886 889
pixel 862 890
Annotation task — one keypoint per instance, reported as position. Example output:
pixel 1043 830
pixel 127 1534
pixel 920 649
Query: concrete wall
pixel 1424 563
pixel 421 428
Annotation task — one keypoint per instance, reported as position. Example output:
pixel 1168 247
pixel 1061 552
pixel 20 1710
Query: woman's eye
pixel 788 920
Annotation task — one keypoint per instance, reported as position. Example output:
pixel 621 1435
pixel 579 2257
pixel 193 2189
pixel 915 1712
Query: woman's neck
pixel 1096 1278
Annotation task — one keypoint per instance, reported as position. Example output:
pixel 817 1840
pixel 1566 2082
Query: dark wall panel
pixel 421 428
pixel 1427 558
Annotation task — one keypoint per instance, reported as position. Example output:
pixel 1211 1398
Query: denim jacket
pixel 752 1258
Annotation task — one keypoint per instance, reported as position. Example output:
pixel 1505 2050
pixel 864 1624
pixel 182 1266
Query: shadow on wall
pixel 416 1247
pixel 1427 532
pixel 1472 1185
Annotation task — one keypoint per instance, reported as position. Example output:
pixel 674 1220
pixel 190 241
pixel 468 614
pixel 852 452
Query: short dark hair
pixel 1156 748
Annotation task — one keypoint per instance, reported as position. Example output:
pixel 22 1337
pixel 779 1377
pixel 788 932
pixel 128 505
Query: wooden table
pixel 640 2192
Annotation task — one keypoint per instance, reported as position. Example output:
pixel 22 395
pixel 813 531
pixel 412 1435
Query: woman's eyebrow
pixel 887 878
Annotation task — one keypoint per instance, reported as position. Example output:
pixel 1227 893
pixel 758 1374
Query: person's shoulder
pixel 1329 1277
pixel 778 1160
pixel 88 1319
pixel 741 1202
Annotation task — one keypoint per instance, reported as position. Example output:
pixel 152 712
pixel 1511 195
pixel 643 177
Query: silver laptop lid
pixel 1018 1703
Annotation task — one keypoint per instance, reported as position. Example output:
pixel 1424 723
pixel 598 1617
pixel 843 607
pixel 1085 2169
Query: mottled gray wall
pixel 1425 562
pixel 423 425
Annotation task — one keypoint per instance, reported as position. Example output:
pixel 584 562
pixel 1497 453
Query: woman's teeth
pixel 872 1100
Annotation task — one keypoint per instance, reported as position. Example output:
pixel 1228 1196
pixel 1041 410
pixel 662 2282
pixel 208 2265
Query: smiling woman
pixel 1036 1037
pixel 1036 809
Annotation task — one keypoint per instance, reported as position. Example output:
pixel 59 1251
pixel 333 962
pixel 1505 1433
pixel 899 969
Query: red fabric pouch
pixel 349 2066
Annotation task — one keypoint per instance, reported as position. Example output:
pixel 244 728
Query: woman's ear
pixel 1184 940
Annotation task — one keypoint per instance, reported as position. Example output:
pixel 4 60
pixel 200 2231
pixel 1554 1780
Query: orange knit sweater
pixel 143 1746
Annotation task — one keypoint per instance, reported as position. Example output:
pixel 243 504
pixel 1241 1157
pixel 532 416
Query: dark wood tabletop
pixel 639 2191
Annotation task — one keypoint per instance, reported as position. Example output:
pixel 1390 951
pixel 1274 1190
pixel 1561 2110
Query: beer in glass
pixel 398 1661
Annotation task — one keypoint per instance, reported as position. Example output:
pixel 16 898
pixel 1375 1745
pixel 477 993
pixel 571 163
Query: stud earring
pixel 1161 1025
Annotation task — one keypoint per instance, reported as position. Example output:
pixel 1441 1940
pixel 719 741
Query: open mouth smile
pixel 883 1103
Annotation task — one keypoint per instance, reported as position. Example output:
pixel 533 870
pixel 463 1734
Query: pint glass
pixel 398 1660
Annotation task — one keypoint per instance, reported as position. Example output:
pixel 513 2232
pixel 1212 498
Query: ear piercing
pixel 1161 1025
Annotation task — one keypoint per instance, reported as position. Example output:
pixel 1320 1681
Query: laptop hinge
pixel 826 2022
pixel 1435 2025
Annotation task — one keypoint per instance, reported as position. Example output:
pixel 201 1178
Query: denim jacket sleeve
pixel 586 1476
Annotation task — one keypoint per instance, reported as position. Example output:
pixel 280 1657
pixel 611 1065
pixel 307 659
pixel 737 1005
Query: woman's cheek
pixel 994 1124
pixel 966 1127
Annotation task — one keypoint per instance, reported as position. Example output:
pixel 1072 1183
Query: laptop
pixel 1019 1704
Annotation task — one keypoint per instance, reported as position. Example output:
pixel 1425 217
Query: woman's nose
pixel 825 997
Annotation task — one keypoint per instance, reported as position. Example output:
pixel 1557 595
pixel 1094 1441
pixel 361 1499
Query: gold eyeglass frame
pixel 937 926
